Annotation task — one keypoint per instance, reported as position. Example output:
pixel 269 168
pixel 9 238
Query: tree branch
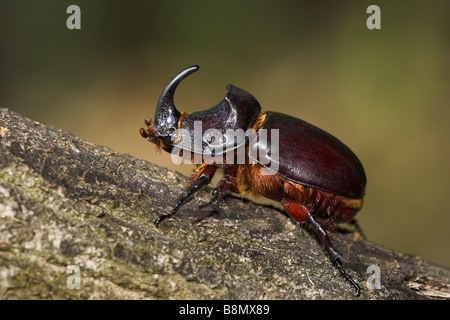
pixel 65 201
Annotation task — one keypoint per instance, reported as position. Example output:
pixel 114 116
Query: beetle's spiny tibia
pixel 332 252
pixel 338 264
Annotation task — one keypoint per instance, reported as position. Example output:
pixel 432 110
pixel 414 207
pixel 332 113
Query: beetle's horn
pixel 167 115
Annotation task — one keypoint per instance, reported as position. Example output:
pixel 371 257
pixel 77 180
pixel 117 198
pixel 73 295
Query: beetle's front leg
pixel 201 179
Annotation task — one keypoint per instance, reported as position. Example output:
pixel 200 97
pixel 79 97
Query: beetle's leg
pixel 358 228
pixel 332 252
pixel 201 179
pixel 217 194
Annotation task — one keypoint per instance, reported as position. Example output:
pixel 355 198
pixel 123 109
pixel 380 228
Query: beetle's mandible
pixel 318 179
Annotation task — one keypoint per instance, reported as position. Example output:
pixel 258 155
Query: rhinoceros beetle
pixel 318 179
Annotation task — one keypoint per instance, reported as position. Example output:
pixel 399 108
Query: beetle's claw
pixel 160 219
pixel 216 197
pixel 205 205
pixel 338 264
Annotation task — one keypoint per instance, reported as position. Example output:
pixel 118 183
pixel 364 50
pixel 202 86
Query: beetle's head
pixel 160 130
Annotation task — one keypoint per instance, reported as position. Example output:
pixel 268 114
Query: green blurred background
pixel 385 93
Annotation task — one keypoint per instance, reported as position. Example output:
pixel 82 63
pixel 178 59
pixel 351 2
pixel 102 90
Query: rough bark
pixel 65 201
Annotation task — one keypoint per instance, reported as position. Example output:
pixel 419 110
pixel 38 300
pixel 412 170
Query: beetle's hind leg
pixel 302 216
pixel 353 228
pixel 329 248
pixel 358 228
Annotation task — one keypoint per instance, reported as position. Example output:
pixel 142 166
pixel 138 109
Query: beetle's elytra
pixel 318 179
